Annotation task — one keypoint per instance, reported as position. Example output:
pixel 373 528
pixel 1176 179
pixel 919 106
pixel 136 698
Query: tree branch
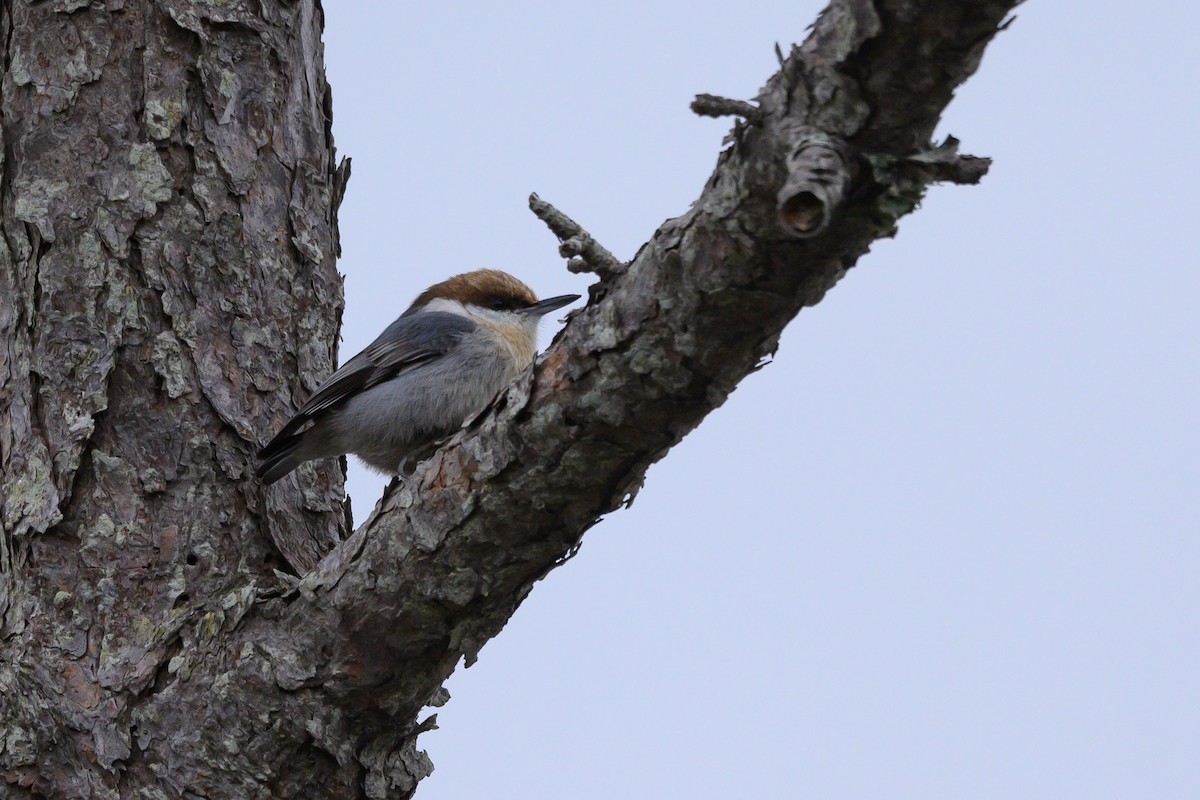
pixel 711 105
pixel 584 252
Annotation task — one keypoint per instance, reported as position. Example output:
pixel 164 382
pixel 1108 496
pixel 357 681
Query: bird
pixel 439 364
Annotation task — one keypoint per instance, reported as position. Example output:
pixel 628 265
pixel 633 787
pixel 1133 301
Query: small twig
pixel 965 170
pixel 585 254
pixel 711 105
pixel 945 163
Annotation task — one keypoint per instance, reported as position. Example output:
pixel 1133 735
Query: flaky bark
pixel 168 293
pixel 167 203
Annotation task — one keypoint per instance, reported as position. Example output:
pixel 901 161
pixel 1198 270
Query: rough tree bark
pixel 168 293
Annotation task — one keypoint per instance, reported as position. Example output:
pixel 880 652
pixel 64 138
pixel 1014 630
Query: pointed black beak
pixel 543 307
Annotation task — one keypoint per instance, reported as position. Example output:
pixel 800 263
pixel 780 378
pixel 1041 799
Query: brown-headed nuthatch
pixel 455 348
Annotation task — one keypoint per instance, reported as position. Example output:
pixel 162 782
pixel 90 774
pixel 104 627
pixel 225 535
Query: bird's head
pixel 492 296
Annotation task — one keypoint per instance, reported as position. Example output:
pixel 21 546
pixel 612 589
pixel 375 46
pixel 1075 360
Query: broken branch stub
pixel 585 254
pixel 819 173
pixel 711 105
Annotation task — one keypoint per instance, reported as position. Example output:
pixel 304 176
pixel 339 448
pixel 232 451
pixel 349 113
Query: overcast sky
pixel 948 544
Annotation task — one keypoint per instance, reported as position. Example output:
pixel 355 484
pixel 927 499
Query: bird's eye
pixel 500 305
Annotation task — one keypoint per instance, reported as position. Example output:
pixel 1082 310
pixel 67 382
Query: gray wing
pixel 406 343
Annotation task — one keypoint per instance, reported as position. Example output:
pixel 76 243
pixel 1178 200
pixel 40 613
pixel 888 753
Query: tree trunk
pixel 168 293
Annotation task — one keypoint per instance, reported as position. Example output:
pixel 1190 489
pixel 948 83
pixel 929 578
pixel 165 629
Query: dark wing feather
pixel 406 343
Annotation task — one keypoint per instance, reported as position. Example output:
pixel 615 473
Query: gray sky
pixel 948 544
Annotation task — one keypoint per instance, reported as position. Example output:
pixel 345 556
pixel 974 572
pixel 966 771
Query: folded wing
pixel 406 344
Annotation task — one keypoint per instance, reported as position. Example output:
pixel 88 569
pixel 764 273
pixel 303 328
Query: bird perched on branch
pixel 442 361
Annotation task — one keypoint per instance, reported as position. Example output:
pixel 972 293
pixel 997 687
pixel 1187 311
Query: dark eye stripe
pixel 507 303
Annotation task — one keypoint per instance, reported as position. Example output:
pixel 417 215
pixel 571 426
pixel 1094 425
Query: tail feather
pixel 280 457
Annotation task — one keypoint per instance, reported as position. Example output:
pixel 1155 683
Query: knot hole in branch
pixel 818 174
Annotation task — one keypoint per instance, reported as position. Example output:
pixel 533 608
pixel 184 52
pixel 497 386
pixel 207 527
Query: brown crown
pixel 483 287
